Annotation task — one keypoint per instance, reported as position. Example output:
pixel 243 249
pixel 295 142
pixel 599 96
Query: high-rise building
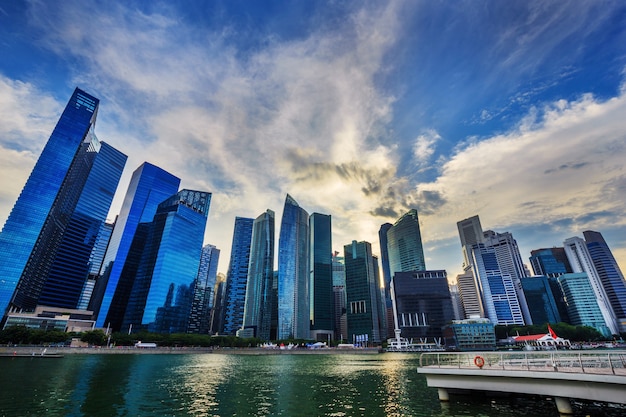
pixel 204 285
pixel 609 273
pixel 321 263
pixel 581 261
pixel 293 273
pixel 384 260
pixel 95 264
pixel 149 186
pixel 217 312
pixel 471 233
pixel 364 297
pixel 582 305
pixel 497 290
pixel 162 294
pixel 550 262
pixel 259 298
pixel 423 303
pixel 339 296
pixel 470 298
pixel 404 245
pixel 237 276
pixel 541 300
pixel 57 197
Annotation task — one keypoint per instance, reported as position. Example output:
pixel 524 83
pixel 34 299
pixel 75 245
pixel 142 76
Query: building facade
pixel 321 285
pixel 237 276
pixel 293 273
pixel 149 186
pixel 541 300
pixel 203 291
pixel 46 207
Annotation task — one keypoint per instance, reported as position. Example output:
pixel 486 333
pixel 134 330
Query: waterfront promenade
pixel 594 376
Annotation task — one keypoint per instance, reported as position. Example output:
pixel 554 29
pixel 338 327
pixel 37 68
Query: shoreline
pixel 53 351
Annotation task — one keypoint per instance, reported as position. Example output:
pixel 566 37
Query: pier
pixel 595 376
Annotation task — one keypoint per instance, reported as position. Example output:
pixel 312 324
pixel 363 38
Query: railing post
pixel 580 361
pixel 611 364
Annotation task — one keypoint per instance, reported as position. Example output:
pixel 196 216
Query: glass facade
pixel 582 305
pixel 541 301
pixel 384 260
pixel 34 230
pixel 549 261
pixel 322 305
pixel 259 298
pixel 204 285
pixel 149 186
pixel 162 293
pixel 293 273
pixel 70 269
pixel 610 274
pixel 237 276
pixel 404 245
pixel 363 293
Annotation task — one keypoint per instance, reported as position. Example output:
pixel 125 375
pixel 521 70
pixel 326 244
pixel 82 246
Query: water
pixel 245 385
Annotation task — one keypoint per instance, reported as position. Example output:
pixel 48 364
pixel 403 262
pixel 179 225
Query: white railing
pixel 582 362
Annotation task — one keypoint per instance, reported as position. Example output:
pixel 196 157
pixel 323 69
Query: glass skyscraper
pixel 293 273
pixel 610 275
pixel 149 186
pixel 47 206
pixel 259 298
pixel 322 305
pixel 582 306
pixel 237 276
pixel 162 293
pixel 541 300
pixel 363 294
pixel 404 244
pixel 549 261
pixel 204 285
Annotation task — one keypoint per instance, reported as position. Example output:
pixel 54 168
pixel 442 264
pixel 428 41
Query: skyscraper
pixel 404 244
pixel 549 261
pixel 149 186
pixel 470 233
pixel 237 276
pixel 609 273
pixel 339 293
pixel 363 294
pixel 580 260
pixel 162 293
pixel 384 260
pixel 583 307
pixel 259 295
pixel 204 285
pixel 322 305
pixel 293 273
pixel 35 229
pixel 541 300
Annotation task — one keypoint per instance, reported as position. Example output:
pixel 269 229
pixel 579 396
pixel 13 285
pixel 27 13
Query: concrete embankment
pixel 22 351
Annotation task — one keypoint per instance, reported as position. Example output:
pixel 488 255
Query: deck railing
pixel 556 361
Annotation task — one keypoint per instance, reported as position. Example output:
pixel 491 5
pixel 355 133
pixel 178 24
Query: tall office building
pixel 219 304
pixel 470 233
pixel 149 186
pixel 364 297
pixel 583 308
pixel 237 276
pixel 339 296
pixel 581 261
pixel 384 261
pixel 203 296
pixel 162 294
pixel 497 290
pixel 470 298
pixel 95 264
pixel 404 245
pixel 259 298
pixel 293 273
pixel 57 198
pixel 423 303
pixel 609 273
pixel 321 263
pixel 550 262
pixel 541 300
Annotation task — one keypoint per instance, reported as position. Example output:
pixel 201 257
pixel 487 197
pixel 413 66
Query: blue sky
pixel 512 110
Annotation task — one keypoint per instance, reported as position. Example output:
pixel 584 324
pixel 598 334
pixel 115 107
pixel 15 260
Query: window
pixel 357 307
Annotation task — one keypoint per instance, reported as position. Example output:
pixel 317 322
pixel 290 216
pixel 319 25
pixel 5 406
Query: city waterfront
pixel 245 385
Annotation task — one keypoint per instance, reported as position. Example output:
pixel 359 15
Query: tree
pixel 94 337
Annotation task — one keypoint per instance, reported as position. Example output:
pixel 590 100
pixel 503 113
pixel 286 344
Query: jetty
pixel 562 375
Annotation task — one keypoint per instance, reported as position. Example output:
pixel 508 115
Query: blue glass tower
pixel 550 261
pixel 259 295
pixel 540 299
pixel 69 271
pixel 610 274
pixel 293 273
pixel 237 276
pixel 149 186
pixel 404 245
pixel 384 260
pixel 35 228
pixel 200 317
pixel 162 293
pixel 322 295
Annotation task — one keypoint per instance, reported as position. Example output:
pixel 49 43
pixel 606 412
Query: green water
pixel 243 385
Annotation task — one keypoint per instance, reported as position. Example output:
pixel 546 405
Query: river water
pixel 245 385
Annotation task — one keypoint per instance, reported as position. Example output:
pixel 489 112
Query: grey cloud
pixel 569 165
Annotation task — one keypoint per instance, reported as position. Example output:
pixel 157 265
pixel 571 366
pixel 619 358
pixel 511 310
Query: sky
pixel 511 110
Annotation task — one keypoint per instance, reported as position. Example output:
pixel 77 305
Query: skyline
pixel 363 111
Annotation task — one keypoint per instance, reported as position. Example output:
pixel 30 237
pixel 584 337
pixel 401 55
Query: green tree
pixel 94 337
